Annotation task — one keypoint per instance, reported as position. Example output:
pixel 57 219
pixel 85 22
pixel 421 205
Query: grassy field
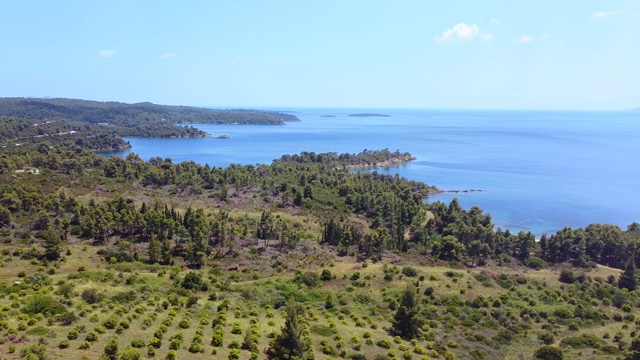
pixel 489 312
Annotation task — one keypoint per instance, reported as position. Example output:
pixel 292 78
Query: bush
pixel 130 354
pixel 110 322
pixel 138 343
pixel 73 334
pixel 548 353
pixel 91 296
pixel 567 276
pixel 484 280
pixel 326 275
pixel 172 355
pixel 535 262
pixel 192 281
pixel 582 341
pixel 155 343
pixel 111 348
pixel 43 304
pixel 234 354
pixel 546 338
pixel 409 271
pixel 322 330
pixel 308 278
pixel 92 336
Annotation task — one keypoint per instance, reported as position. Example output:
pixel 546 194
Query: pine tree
pixel 154 250
pixel 292 343
pixel 52 244
pixel 407 321
pixel 165 252
pixel 628 278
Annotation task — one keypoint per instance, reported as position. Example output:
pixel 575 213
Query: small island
pixel 369 115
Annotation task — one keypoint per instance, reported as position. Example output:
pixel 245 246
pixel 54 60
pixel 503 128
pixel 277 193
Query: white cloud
pixel 168 55
pixel 107 53
pixel 525 39
pixel 462 31
pixel 605 14
pixel 494 20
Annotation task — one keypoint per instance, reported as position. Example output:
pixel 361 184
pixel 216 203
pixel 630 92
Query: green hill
pixel 135 120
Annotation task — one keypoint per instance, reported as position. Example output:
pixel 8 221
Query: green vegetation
pixel 100 125
pixel 305 257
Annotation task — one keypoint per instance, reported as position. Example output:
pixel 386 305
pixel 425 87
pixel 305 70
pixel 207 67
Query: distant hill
pixel 133 120
pixel 131 115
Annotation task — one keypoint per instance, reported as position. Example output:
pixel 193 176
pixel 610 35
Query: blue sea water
pixel 539 171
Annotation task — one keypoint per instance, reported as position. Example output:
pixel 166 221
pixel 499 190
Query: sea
pixel 537 171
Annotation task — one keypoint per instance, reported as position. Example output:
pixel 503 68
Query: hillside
pixel 126 258
pixel 135 120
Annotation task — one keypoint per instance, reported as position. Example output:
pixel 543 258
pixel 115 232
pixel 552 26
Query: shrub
pixel 130 354
pixel 110 322
pixel 43 304
pixel 548 353
pixel 326 275
pixel 546 338
pixel 194 348
pixel 172 355
pixel 484 280
pixel 184 323
pixel 192 281
pixel 409 271
pixel 67 318
pixel 138 343
pixel 92 336
pixel 91 296
pixel 308 278
pixel 535 262
pixel 73 334
pixel 154 342
pixel 111 348
pixel 322 330
pixel 567 276
pixel 582 341
pixel 234 354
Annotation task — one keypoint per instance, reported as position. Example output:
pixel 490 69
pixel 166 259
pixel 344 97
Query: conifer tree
pixel 407 321
pixel 52 244
pixel 154 249
pixel 628 278
pixel 165 251
pixel 292 343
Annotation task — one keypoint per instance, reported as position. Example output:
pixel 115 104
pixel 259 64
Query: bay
pixel 538 171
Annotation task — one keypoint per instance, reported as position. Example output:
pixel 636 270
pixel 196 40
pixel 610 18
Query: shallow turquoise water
pixel 539 170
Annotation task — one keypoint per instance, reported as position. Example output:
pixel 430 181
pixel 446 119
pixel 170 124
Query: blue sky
pixel 507 54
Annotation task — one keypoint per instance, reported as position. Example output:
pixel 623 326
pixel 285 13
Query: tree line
pixel 396 216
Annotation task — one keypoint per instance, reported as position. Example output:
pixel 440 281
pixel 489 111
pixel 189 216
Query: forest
pixel 132 120
pixel 314 256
